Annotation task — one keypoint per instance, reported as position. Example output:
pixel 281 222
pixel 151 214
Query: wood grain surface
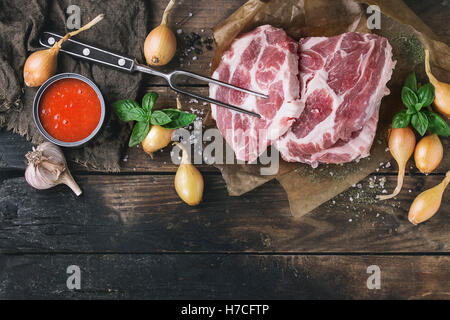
pixel 212 276
pixel 134 238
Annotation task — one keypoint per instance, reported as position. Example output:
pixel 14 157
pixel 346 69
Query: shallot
pixel 156 139
pixel 188 181
pixel 401 144
pixel 41 65
pixel 160 45
pixel 427 204
pixel 442 90
pixel 428 154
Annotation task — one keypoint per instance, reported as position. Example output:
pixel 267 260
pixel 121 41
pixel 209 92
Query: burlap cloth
pixel 123 30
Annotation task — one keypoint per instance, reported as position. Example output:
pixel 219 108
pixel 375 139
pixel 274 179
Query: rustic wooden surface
pixel 134 238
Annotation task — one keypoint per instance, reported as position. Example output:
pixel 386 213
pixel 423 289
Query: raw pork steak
pixel 342 82
pixel 357 147
pixel 264 60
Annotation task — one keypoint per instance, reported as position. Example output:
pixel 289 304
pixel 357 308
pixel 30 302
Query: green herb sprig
pixel 415 99
pixel 130 110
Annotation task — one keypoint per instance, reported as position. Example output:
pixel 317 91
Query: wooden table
pixel 132 237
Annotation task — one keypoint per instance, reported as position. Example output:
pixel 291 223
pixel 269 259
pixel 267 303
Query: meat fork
pixel 88 52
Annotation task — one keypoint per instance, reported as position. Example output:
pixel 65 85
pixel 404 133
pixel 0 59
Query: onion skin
pixel 156 139
pixel 442 90
pixel 160 46
pixel 442 99
pixel 189 182
pixel 401 144
pixel 427 204
pixel 428 154
pixel 40 66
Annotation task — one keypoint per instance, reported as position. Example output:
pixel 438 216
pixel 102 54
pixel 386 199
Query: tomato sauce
pixel 69 110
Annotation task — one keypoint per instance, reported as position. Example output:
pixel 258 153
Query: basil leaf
pixel 426 94
pixel 401 120
pixel 411 82
pixel 139 133
pixel 418 106
pixel 148 102
pixel 172 113
pixel 179 118
pixel 129 110
pixel 411 110
pixel 159 118
pixel 420 122
pixel 409 97
pixel 437 124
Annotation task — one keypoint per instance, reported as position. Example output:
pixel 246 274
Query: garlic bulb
pixel 47 167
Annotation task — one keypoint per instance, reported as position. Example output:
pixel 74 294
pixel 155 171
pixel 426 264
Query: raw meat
pixel 342 82
pixel 356 148
pixel 264 60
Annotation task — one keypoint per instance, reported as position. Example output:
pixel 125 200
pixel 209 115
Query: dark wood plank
pixel 435 14
pixel 211 276
pixel 143 213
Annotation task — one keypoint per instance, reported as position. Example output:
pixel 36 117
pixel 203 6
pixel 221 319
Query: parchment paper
pixel 308 188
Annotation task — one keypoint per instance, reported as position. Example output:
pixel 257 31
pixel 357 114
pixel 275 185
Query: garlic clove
pixel 69 181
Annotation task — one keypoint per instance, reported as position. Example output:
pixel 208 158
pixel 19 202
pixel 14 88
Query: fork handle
pixel 88 52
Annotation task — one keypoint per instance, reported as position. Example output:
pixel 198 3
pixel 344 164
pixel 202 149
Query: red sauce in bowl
pixel 69 110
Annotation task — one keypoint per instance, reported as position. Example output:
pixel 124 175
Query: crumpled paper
pixel 308 188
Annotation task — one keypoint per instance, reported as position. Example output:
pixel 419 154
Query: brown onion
pixel 156 139
pixel 41 65
pixel 442 89
pixel 428 154
pixel 160 45
pixel 189 181
pixel 427 204
pixel 401 144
